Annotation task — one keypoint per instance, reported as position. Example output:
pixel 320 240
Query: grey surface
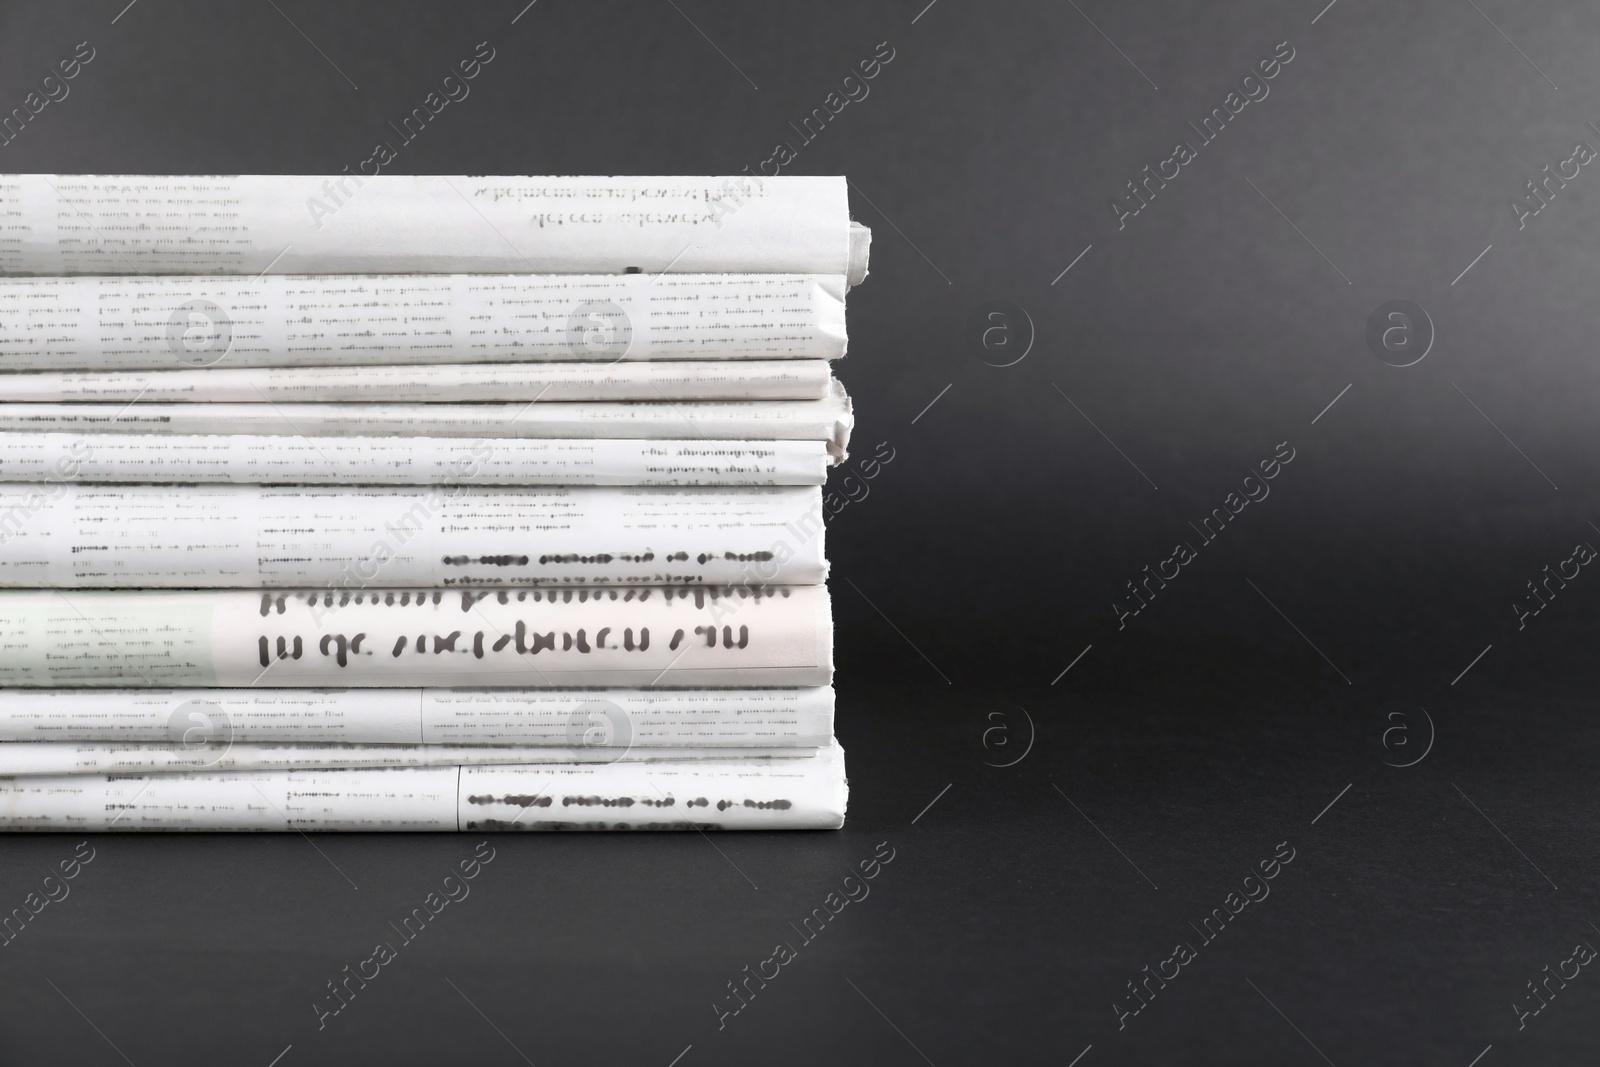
pixel 986 555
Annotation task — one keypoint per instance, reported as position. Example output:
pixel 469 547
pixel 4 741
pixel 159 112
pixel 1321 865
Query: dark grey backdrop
pixel 1322 636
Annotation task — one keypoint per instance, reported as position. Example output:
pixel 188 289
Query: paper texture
pixel 253 459
pixel 166 323
pixel 700 636
pixel 422 798
pixel 827 420
pixel 250 537
pixel 26 758
pixel 860 251
pixel 788 379
pixel 612 718
pixel 398 224
pixel 805 793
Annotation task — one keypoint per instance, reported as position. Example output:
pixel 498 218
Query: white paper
pixel 399 224
pixel 699 636
pixel 252 459
pixel 798 718
pixel 799 794
pixel 611 718
pixel 827 420
pixel 29 759
pixel 787 379
pixel 422 798
pixel 803 794
pixel 249 537
pixel 167 323
pixel 860 252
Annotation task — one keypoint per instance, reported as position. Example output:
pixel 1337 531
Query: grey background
pixel 1177 751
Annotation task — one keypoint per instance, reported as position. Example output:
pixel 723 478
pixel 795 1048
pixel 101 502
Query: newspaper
pixel 689 637
pixel 808 793
pixel 250 537
pixel 255 459
pixel 167 323
pixel 30 759
pixel 827 420
pixel 398 224
pixel 614 719
pixel 782 379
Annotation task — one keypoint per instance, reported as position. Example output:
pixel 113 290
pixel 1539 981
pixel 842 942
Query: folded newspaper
pixel 168 323
pixel 828 420
pixel 608 719
pixel 50 758
pixel 776 379
pixel 805 793
pixel 252 224
pixel 257 459
pixel 254 537
pixel 746 635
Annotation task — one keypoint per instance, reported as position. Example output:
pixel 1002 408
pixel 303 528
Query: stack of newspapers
pixel 419 503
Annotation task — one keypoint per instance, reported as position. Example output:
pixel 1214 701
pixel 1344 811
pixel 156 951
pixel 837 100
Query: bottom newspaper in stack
pixel 419 759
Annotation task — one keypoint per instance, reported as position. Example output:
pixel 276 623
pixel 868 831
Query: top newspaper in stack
pixel 393 224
